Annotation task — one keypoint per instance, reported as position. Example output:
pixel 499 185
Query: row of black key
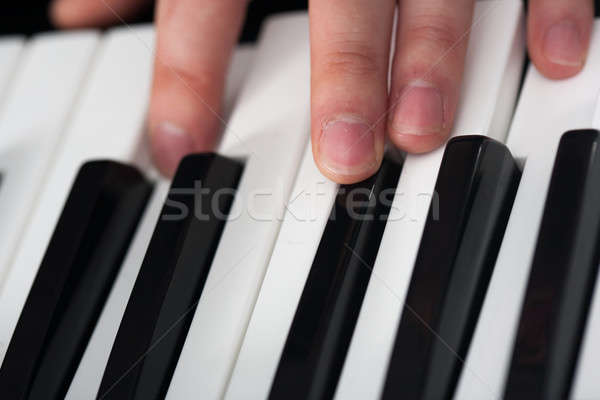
pixel 475 189
pixel 477 182
pixel 83 257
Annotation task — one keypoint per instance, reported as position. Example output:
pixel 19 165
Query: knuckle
pixel 181 67
pixel 438 30
pixel 352 59
pixel 197 80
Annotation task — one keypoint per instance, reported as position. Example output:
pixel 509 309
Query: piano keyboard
pixel 466 273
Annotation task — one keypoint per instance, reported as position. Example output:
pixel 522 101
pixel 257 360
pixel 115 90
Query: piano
pixel 470 272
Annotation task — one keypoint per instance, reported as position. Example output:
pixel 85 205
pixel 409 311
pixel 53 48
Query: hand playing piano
pixel 352 111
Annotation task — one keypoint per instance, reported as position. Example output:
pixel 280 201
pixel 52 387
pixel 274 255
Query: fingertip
pixel 562 50
pixel 182 119
pixel 171 141
pixel 347 150
pixel 173 134
pixel 169 144
pixel 419 121
pixel 558 36
pixel 418 144
pixel 344 179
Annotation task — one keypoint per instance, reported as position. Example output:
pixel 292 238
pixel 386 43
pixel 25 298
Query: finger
pixel 350 41
pixel 84 13
pixel 431 43
pixel 194 44
pixel 558 35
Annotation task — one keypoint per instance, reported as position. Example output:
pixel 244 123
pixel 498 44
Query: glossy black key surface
pixel 171 279
pixel 562 276
pixel 475 190
pixel 320 333
pixel 82 259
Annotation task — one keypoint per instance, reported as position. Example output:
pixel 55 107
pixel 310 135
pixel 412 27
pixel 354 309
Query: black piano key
pixel 324 321
pixel 476 186
pixel 562 276
pixel 171 279
pixel 82 259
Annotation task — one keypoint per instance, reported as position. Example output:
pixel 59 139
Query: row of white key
pixel 38 102
pixel 10 50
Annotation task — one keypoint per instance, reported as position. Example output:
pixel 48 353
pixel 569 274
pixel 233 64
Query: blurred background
pixel 31 16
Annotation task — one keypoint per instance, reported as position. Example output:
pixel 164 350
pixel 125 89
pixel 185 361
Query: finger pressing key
pixel 195 39
pixel 431 43
pixel 350 41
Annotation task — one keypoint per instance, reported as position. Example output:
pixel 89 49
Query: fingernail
pixel 420 110
pixel 347 146
pixel 562 44
pixel 170 143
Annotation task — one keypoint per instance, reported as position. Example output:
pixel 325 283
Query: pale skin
pixel 352 112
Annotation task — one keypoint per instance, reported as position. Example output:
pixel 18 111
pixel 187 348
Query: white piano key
pixel 269 127
pixel 586 384
pixel 106 122
pixel 305 218
pixel 596 118
pixel 491 83
pixel 10 50
pixel 32 121
pixel 86 381
pixel 493 67
pixel 547 109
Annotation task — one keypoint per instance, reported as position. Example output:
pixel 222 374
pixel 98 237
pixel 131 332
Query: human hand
pixel 352 111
